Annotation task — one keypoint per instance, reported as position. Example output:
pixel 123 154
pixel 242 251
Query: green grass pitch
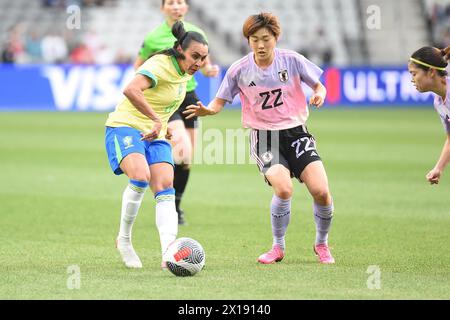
pixel 60 204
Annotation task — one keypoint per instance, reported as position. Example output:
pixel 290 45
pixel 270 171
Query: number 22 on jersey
pixel 272 99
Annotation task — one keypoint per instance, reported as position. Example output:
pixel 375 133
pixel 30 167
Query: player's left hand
pixel 316 100
pixel 211 70
pixel 433 176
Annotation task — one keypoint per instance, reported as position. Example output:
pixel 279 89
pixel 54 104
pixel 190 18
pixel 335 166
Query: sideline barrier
pixel 99 88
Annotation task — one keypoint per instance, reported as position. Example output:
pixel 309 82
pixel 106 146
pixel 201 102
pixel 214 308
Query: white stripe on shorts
pixel 254 152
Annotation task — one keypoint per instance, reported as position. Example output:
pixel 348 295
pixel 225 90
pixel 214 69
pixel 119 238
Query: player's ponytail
pixel 184 39
pixel 446 53
pixel 427 58
pixel 180 34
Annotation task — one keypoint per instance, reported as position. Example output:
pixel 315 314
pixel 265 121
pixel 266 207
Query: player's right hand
pixel 316 100
pixel 198 110
pixel 433 176
pixel 154 133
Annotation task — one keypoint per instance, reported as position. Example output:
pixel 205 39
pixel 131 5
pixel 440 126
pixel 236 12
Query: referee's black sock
pixel 181 177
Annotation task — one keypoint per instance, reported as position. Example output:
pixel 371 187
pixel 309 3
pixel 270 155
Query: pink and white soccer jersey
pixel 271 98
pixel 443 107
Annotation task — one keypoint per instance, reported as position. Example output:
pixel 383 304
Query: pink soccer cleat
pixel 276 254
pixel 324 254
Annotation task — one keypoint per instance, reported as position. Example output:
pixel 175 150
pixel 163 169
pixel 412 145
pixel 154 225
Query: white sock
pixel 166 217
pixel 323 216
pixel 280 215
pixel 131 201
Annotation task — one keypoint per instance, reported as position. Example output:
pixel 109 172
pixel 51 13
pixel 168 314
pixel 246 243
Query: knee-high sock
pixel 280 213
pixel 166 217
pixel 323 216
pixel 131 201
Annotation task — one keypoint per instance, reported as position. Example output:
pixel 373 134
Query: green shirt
pixel 162 38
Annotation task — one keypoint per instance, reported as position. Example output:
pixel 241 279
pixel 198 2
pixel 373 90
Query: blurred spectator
pixel 66 3
pixel 318 49
pixel 105 55
pixel 73 2
pixel 92 40
pixel 53 3
pixel 33 48
pixel 13 50
pixel 440 24
pixel 82 54
pixel 123 58
pixel 445 38
pixel 101 53
pixel 91 3
pixel 54 48
pixel 7 54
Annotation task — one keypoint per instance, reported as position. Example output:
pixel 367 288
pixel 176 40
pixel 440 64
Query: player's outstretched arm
pixel 200 110
pixel 435 174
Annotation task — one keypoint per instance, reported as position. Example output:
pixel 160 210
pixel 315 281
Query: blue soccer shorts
pixel 122 141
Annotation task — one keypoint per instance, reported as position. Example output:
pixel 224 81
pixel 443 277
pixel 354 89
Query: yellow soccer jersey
pixel 165 96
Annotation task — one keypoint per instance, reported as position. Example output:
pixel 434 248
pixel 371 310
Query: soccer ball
pixel 184 257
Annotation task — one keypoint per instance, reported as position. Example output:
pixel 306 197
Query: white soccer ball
pixel 184 257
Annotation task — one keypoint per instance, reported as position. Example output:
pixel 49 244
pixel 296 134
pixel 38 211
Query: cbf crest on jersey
pixel 283 75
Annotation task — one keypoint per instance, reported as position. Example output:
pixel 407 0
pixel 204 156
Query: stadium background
pixel 378 136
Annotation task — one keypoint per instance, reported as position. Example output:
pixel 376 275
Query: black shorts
pixel 191 98
pixel 293 148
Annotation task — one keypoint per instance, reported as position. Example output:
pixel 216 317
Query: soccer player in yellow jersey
pixel 136 135
pixel 183 130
